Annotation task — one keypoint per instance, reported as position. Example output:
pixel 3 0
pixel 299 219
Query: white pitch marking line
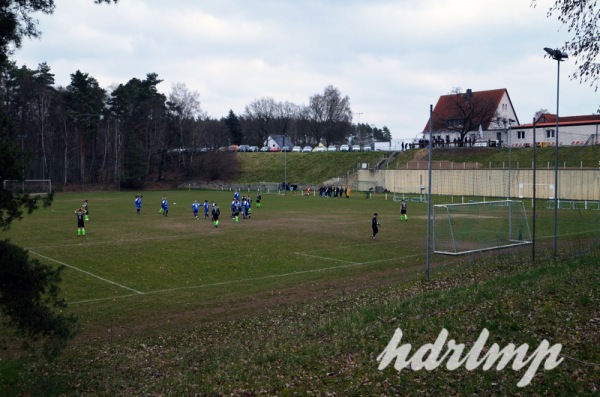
pixel 132 240
pixel 88 273
pixel 348 264
pixel 326 258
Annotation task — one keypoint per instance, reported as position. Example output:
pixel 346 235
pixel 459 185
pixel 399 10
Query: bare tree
pixel 581 17
pixel 184 108
pixel 261 115
pixel 330 116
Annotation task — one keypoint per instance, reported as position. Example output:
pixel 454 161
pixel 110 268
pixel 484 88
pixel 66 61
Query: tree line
pixel 83 133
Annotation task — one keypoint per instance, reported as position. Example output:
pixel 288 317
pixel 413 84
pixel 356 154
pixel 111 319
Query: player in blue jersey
pixel 195 208
pixel 206 209
pixel 246 207
pixel 165 206
pixel 138 203
pixel 236 208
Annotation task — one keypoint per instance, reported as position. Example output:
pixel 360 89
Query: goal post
pixel 29 186
pixel 473 227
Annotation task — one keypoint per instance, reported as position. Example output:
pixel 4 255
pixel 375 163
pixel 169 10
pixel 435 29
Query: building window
pixel 549 133
pixel 520 134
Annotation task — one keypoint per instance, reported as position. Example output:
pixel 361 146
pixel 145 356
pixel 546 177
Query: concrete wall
pixel 572 184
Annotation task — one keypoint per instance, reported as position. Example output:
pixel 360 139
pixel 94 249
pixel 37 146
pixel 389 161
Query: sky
pixel 392 58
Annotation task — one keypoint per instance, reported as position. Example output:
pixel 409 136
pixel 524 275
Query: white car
pixel 296 149
pixel 344 148
pixel 331 148
pixel 356 148
pixel 320 149
pixel 307 149
pixel 367 149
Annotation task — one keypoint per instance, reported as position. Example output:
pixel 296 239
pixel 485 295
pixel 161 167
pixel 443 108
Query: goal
pixel 472 227
pixel 410 193
pixel 545 190
pixel 29 186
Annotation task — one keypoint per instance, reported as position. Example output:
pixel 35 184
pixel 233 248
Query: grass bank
pixel 330 347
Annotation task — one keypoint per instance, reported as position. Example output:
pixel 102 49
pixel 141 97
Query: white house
pixel 572 131
pixel 477 115
pixel 279 141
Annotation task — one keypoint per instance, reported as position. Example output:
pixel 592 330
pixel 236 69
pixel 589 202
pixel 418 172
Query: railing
pixel 515 165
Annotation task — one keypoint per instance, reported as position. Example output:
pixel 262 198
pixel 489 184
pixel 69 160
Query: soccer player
pixel 374 225
pixel 80 213
pixel 216 211
pixel 403 216
pixel 247 207
pixel 165 206
pixel 195 207
pixel 138 203
pixel 86 210
pixel 236 207
pixel 258 198
pixel 206 209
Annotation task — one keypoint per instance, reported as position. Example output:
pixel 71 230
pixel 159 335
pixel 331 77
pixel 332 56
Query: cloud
pixel 391 58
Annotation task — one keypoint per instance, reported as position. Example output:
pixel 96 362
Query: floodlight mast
pixel 558 56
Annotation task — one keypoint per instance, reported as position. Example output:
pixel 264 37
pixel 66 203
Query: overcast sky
pixel 392 58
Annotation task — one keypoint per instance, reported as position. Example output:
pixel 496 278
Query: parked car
pixel 320 149
pixel 232 148
pixel 274 149
pixel 356 148
pixel 296 149
pixel 331 148
pixel 253 149
pixel 344 148
pixel 264 149
pixel 285 149
pixel 243 148
pixel 367 149
pixel 307 149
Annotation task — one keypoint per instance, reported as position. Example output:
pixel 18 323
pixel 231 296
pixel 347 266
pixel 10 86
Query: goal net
pixel 473 227
pixel 29 186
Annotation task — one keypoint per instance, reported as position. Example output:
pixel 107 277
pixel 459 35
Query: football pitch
pixel 150 268
pixel 148 271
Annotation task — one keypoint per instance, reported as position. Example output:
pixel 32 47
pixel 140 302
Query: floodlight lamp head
pixel 557 54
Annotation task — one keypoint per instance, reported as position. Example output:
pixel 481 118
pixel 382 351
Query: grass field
pixel 133 276
pixel 128 262
pixel 131 266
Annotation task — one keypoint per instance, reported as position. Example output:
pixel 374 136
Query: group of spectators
pixel 469 141
pixel 334 191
